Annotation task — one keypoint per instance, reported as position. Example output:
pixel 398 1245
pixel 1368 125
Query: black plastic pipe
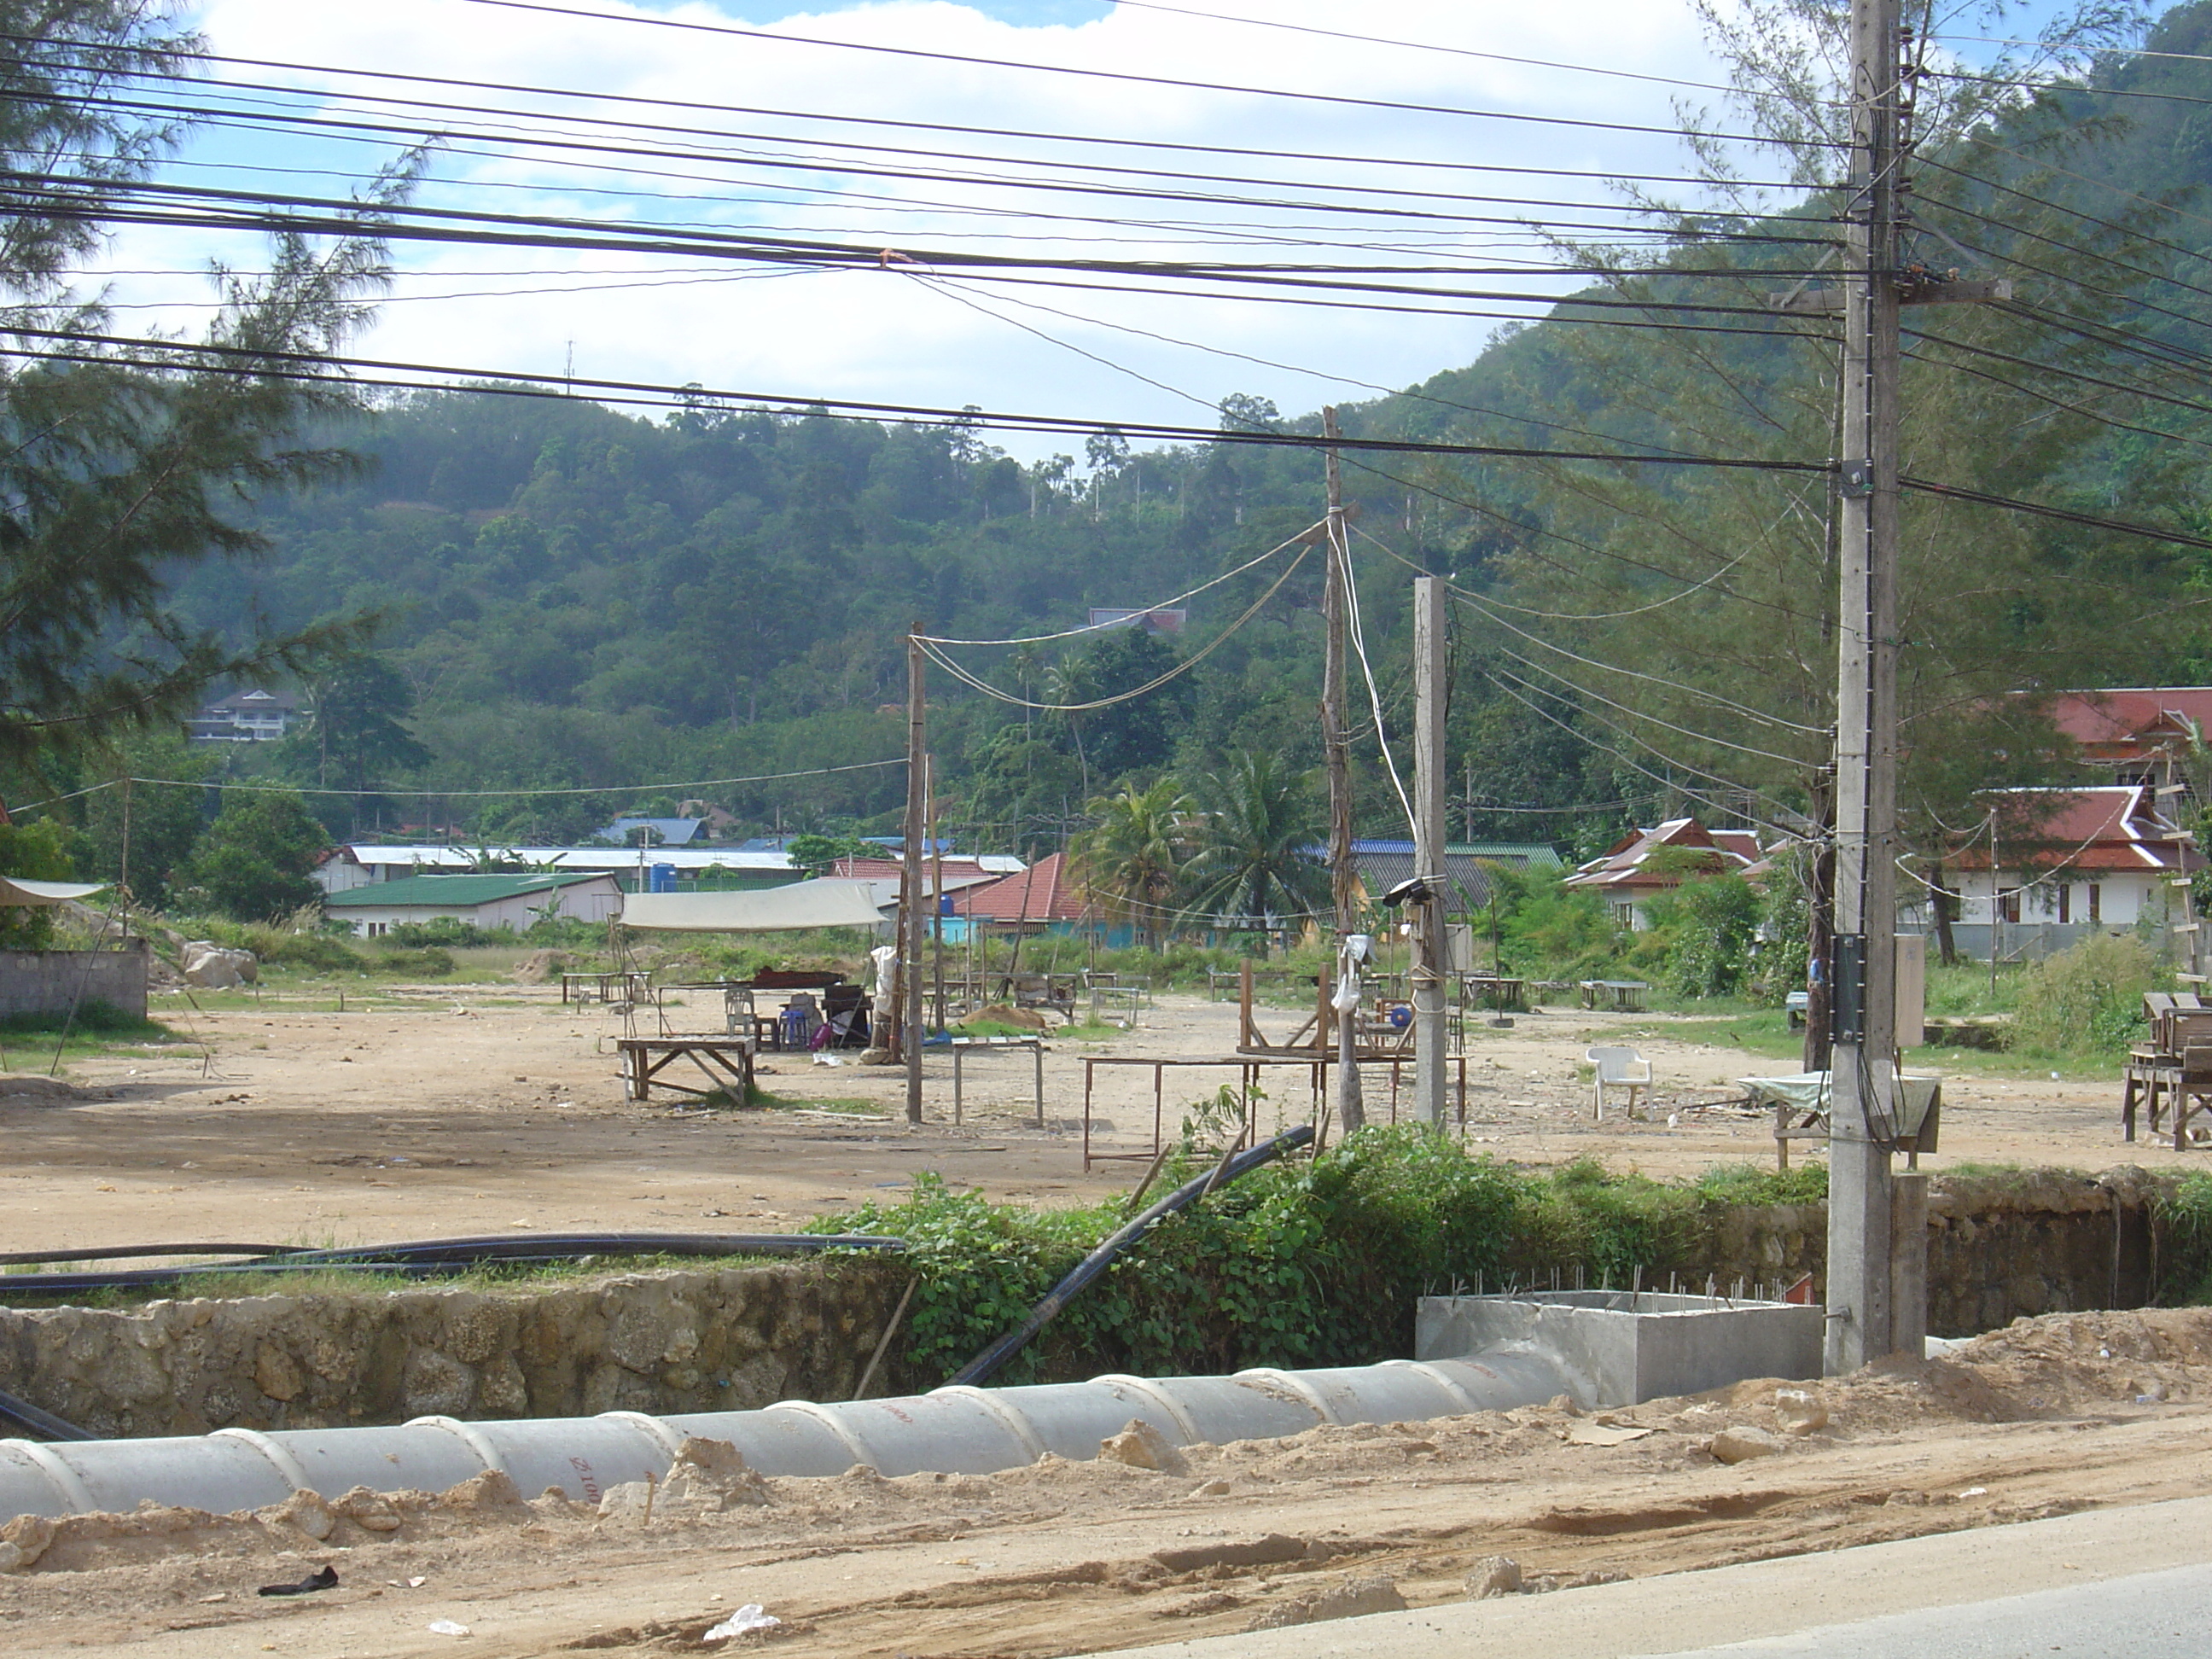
pixel 40 1425
pixel 428 1257
pixel 984 1363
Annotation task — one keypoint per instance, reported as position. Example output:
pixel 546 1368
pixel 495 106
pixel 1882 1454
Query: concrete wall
pixel 652 1342
pixel 52 981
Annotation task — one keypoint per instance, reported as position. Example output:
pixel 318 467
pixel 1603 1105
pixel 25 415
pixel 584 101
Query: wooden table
pixel 1620 996
pixel 1801 1110
pixel 962 1047
pixel 622 986
pixel 726 1062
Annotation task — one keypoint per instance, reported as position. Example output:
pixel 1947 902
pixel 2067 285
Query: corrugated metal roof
pixel 452 892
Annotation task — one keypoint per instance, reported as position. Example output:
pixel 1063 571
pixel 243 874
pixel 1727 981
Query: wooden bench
pixel 727 1063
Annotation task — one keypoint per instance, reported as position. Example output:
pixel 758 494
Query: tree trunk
pixel 1945 904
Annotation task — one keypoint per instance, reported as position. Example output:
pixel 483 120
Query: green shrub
pixel 430 962
pixel 1306 1262
pixel 95 1017
pixel 451 932
pixel 2087 999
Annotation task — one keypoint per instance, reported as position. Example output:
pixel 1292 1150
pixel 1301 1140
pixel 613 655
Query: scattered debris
pixel 324 1578
pixel 1740 1444
pixel 750 1617
pixel 449 1627
pixel 1798 1411
pixel 1494 1576
pixel 1354 1599
pixel 1141 1446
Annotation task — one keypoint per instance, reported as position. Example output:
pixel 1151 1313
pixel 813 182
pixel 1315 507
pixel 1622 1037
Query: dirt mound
pixel 21 1089
pixel 540 966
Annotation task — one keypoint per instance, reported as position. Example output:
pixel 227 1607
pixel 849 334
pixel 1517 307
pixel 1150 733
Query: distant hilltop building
pixel 1162 619
pixel 255 716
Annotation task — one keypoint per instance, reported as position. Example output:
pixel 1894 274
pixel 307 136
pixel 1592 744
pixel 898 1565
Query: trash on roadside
pixel 449 1627
pixel 746 1617
pixel 324 1578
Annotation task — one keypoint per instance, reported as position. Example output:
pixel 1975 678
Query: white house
pixel 255 716
pixel 491 903
pixel 2067 862
pixel 1648 862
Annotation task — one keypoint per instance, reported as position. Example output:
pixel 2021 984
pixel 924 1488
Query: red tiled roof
pixel 1730 850
pixel 2113 827
pixel 1042 892
pixel 2128 720
pixel 966 872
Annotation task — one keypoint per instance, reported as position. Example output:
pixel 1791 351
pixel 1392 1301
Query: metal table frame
pixel 963 1047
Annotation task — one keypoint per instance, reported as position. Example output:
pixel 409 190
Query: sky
pixel 905 330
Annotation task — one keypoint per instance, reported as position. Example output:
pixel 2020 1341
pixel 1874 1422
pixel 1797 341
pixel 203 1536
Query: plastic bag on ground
pixel 746 1617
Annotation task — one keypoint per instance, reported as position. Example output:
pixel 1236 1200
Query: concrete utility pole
pixel 1343 873
pixel 910 884
pixel 1428 918
pixel 1863 978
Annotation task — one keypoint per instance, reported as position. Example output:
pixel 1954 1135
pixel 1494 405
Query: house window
pixel 2009 906
pixel 1624 914
pixel 2095 898
pixel 2065 902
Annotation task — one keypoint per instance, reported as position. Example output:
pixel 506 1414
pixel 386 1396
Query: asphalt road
pixel 2118 1583
pixel 2151 1616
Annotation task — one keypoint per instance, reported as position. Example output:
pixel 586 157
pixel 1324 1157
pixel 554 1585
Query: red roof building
pixel 1634 869
pixel 1036 897
pixel 2135 733
pixel 2068 860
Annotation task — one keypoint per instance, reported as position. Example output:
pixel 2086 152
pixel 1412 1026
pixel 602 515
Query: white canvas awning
pixel 22 890
pixel 804 904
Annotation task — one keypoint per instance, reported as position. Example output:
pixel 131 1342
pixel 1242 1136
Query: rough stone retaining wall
pixel 54 982
pixel 1999 1247
pixel 657 1342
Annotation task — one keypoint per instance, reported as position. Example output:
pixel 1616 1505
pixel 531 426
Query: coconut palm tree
pixel 1133 854
pixel 1257 841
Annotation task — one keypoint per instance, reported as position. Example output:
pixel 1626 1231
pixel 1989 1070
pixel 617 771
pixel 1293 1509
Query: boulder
pixel 214 968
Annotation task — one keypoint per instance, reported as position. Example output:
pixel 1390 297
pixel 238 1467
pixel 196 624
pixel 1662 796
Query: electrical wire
pixel 1337 98
pixel 455 795
pixel 1093 628
pixel 937 655
pixel 1429 47
pixel 1356 633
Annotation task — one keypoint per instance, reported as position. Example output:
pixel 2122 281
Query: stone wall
pixel 657 1342
pixel 1999 1246
pixel 54 982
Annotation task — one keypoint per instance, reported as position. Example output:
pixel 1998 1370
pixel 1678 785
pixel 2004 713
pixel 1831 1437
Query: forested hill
pixel 574 597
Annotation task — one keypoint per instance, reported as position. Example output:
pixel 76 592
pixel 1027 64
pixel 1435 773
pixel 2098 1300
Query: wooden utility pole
pixel 910 863
pixel 936 900
pixel 1343 871
pixel 1428 918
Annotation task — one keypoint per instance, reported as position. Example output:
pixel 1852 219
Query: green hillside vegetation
pixel 571 598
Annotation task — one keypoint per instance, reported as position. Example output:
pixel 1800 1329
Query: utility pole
pixel 910 930
pixel 1343 873
pixel 1429 941
pixel 1863 976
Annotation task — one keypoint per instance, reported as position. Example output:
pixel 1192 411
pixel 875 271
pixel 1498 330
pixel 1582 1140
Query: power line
pixel 1093 628
pixel 1429 47
pixel 258 362
pixel 1337 98
pixel 1087 140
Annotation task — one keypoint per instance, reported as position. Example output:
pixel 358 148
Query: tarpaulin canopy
pixel 22 890
pixel 804 904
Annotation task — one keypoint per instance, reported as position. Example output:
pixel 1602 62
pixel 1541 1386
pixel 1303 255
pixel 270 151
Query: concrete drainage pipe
pixel 955 1430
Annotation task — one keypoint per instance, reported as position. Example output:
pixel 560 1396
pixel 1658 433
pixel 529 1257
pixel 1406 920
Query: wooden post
pixel 917 785
pixel 936 896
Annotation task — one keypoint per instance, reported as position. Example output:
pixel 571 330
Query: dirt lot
pixel 1064 1557
pixel 483 1109
pixel 479 1108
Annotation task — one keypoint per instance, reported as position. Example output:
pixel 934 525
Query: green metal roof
pixel 453 892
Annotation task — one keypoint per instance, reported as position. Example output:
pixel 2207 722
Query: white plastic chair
pixel 1618 1067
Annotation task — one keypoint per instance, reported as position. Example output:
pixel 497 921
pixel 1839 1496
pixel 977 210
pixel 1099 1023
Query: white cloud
pixel 884 335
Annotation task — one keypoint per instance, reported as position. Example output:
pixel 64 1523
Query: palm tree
pixel 1069 682
pixel 1257 842
pixel 1132 856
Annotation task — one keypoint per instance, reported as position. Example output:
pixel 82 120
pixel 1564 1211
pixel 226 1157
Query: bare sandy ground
pixel 1068 1556
pixel 480 1109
